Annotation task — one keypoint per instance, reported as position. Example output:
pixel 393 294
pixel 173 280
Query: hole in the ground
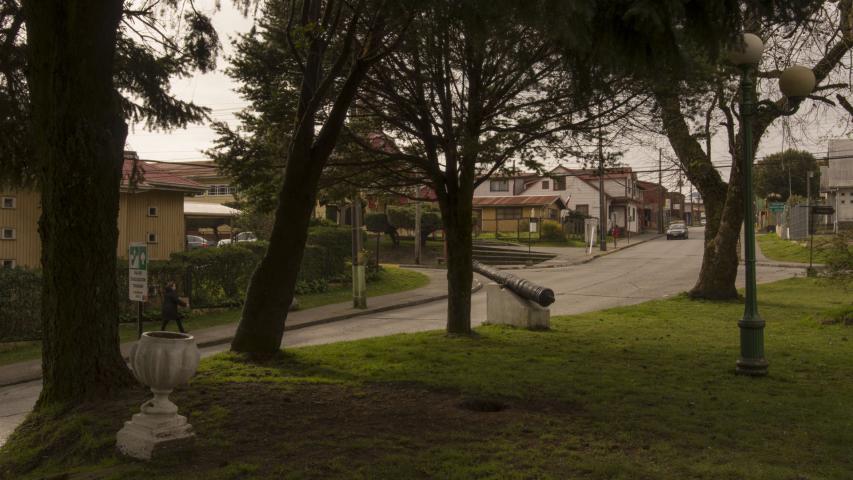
pixel 482 405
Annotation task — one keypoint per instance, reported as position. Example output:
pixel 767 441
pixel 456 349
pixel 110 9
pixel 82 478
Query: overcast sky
pixel 216 90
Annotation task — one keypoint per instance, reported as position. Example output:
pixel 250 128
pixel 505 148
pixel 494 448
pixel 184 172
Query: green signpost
pixel 137 275
pixel 776 207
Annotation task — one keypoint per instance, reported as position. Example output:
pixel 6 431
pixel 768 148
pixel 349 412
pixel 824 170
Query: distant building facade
pixel 150 212
pixel 836 182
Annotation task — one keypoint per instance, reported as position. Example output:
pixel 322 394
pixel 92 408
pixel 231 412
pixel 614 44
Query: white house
pixel 836 180
pixel 578 190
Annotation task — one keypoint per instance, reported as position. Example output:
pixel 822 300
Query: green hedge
pixel 551 231
pixel 211 277
pixel 20 304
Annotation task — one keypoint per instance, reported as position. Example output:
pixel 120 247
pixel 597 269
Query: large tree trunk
pixel 460 274
pixel 720 261
pixel 723 203
pixel 79 135
pixel 273 284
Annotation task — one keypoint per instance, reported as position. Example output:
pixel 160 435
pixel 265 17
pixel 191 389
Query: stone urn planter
pixel 161 361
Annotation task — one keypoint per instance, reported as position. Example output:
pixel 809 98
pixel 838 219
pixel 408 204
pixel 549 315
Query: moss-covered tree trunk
pixel 79 134
pixel 723 203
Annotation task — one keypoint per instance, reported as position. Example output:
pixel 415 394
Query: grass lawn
pixel 640 392
pixel 780 250
pixel 391 280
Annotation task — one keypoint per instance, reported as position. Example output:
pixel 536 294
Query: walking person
pixel 171 302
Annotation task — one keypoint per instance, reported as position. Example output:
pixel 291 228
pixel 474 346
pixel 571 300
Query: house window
pixel 544 184
pixel 151 237
pixel 152 211
pixel 582 209
pixel 7 263
pixel 8 233
pixel 8 202
pixel 510 213
pixel 560 183
pixel 498 185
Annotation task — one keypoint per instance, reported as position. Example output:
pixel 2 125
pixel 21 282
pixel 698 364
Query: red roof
pixel 155 177
pixel 195 169
pixel 519 201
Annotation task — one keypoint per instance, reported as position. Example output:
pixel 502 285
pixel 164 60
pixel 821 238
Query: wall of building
pixel 214 198
pixel 25 249
pixel 582 193
pixel 536 188
pixel 484 189
pixel 134 224
pixel 490 223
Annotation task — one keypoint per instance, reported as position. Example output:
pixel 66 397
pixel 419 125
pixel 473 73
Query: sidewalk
pixel 569 256
pixel 435 290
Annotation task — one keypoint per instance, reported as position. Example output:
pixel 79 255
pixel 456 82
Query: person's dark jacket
pixel 171 301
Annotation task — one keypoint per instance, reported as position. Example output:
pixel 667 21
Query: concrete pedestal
pixel 503 307
pixel 146 436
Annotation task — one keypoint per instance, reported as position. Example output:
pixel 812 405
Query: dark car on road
pixel 676 230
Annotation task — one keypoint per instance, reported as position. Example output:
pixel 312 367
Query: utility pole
pixel 602 207
pixel 691 204
pixel 809 175
pixel 660 190
pixel 359 280
pixel 418 230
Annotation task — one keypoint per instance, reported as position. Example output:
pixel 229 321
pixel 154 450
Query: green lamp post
pixel 796 83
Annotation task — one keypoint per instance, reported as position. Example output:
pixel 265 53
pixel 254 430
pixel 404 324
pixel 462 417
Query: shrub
pixel 376 222
pixel 218 276
pixel 20 304
pixel 551 231
pixel 839 258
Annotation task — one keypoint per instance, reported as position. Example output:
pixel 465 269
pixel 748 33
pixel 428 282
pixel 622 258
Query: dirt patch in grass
pixel 264 430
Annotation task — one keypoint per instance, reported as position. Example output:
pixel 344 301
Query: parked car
pixel 239 238
pixel 676 230
pixel 194 241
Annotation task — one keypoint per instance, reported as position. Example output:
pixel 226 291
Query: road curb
pixel 337 318
pixel 477 285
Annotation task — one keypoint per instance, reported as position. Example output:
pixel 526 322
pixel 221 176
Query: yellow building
pixel 218 187
pixel 151 212
pixel 511 214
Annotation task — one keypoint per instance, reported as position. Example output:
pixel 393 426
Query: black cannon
pixel 521 287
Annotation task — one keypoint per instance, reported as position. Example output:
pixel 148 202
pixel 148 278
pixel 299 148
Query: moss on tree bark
pixel 79 135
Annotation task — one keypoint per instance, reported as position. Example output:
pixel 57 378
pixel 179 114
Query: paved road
pixel 655 269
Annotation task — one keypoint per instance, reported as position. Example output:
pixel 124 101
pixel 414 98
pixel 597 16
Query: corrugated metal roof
pixel 154 177
pixel 204 209
pixel 199 169
pixel 518 201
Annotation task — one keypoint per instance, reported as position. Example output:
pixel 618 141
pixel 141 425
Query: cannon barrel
pixel 524 288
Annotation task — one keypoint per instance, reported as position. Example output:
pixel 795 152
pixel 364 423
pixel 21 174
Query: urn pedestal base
pixel 147 436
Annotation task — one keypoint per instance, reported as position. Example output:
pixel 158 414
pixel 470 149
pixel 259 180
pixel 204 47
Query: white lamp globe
pixel 748 51
pixel 797 82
